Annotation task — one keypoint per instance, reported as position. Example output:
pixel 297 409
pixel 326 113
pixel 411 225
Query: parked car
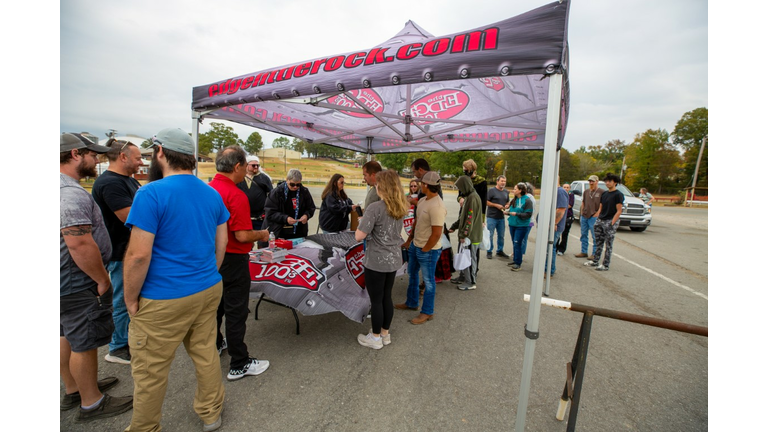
pixel 634 213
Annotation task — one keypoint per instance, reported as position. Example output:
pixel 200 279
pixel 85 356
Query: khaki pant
pixel 154 335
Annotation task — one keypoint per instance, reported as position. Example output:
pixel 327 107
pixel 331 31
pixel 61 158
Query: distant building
pixel 279 153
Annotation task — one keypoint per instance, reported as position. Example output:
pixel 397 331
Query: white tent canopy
pixel 482 89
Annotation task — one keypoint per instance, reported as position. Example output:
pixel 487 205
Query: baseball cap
pixel 75 141
pixel 175 139
pixel 431 178
pixel 593 178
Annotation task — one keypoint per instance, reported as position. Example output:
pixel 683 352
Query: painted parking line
pixel 657 274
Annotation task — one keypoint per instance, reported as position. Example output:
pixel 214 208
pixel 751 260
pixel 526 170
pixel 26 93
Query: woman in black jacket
pixel 336 207
pixel 289 207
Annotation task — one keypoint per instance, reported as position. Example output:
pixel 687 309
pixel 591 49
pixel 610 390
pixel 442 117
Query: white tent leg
pixel 548 176
pixel 195 132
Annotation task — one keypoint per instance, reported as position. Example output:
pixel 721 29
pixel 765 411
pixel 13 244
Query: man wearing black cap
pixel 171 282
pixel 85 308
pixel 113 191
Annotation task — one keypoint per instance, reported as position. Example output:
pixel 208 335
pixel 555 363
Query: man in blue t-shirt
pixel 561 207
pixel 171 281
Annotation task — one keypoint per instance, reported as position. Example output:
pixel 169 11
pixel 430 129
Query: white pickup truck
pixel 634 214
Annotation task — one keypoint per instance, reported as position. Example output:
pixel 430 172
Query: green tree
pixel 147 143
pixel 689 134
pixel 395 161
pixel 450 163
pixel 253 144
pixel 523 166
pixel 653 162
pixel 217 138
pixel 280 142
pixel 298 145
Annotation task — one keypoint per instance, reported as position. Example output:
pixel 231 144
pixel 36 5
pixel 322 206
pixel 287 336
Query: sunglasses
pixel 294 184
pixel 112 144
pixel 254 165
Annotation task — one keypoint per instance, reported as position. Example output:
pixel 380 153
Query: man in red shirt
pixel 236 278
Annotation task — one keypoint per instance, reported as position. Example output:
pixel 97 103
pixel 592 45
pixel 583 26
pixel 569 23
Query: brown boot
pixel 421 319
pixel 403 306
pixel 580 255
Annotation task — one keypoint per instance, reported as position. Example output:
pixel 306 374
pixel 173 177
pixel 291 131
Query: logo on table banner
pixel 439 105
pixel 408 223
pixel 369 98
pixel 493 83
pixel 292 272
pixel 354 260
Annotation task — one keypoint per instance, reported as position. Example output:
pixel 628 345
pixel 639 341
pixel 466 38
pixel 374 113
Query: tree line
pixel 660 161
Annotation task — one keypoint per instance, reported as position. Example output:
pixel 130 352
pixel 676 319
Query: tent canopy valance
pixel 481 89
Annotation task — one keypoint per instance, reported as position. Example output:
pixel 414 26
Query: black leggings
pixel 379 287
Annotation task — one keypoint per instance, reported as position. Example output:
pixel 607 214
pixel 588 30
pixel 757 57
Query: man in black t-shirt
pixel 113 191
pixel 611 204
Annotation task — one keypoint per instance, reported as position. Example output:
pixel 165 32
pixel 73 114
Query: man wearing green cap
pixel 171 283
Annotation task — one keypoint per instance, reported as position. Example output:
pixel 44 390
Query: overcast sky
pixel 131 66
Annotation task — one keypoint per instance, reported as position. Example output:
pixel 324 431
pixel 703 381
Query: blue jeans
pixel 427 262
pixel 525 239
pixel 587 227
pixel 498 226
pixel 119 312
pixel 553 252
pixel 518 235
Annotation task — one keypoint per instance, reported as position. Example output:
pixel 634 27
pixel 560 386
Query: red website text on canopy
pixel 486 39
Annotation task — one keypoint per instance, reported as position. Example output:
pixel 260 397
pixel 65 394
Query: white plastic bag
pixel 463 259
pixel 486 238
pixel 444 242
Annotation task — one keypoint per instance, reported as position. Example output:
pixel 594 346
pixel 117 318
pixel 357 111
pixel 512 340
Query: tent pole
pixel 550 238
pixel 548 177
pixel 195 132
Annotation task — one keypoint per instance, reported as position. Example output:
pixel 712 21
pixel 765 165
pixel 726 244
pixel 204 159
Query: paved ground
pixel 462 370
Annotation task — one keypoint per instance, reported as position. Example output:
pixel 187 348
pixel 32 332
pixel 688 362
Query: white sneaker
pixel 370 342
pixel 467 287
pixel 601 268
pixel 223 346
pixel 559 253
pixel 385 338
pixel 254 367
pixel 590 264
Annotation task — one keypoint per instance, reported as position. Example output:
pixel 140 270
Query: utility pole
pixel 696 172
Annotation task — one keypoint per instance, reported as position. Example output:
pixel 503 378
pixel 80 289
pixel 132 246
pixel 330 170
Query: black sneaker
pixel 502 254
pixel 223 346
pixel 489 255
pixel 515 267
pixel 110 406
pixel 70 401
pixel 120 355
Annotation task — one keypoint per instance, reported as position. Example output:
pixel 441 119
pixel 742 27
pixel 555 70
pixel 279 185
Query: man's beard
pixel 86 171
pixel 155 171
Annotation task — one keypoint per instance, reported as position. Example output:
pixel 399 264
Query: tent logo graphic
pixel 354 261
pixel 369 98
pixel 292 272
pixel 493 83
pixel 439 105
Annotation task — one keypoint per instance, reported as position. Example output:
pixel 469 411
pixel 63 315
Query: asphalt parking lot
pixel 462 371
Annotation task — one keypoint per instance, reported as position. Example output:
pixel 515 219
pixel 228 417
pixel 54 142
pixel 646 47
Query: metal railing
pixel 575 368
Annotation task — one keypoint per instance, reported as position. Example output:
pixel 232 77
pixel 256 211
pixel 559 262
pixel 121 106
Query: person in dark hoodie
pixel 289 207
pixel 470 229
pixel 336 206
pixel 481 187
